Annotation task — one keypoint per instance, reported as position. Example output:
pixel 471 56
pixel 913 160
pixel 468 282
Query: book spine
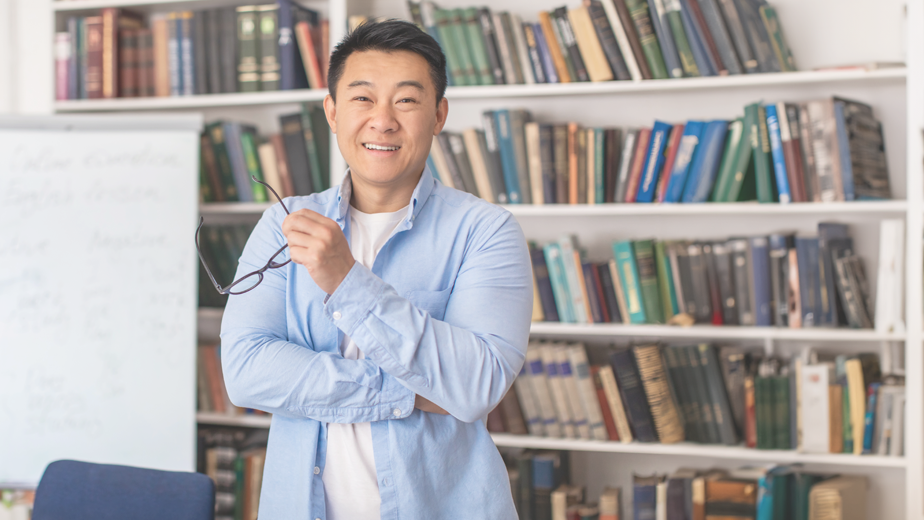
pixel 506 50
pixel 628 25
pixel 633 394
pixel 638 163
pixel 490 43
pixel 523 59
pixel 608 40
pixel 668 295
pixel 508 155
pixel 94 61
pixel 739 36
pixel 678 174
pixel 73 64
pixel 270 58
pixel 541 390
pixel 777 42
pixel 216 135
pixel 648 280
pixel 227 22
pixel 614 399
pixel 534 160
pixel 175 54
pixel 528 403
pixel 629 279
pixel 705 36
pixel 572 279
pixel 843 144
pixel 62 60
pixel 729 162
pixel 721 410
pixel 654 380
pixel 653 161
pixel 544 284
pixel 674 18
pixel 743 289
pixel 760 144
pixel 472 139
pixel 558 391
pixel 296 154
pixel 757 36
pixel 566 368
pixel 542 47
pixel 706 163
pixel 311 148
pixel 638 10
pixel 547 164
pixel 560 17
pixel 110 65
pixel 186 49
pixel 550 32
pixel 493 156
pixel 776 149
pixel 458 40
pixel 518 120
pixel 625 165
pixel 665 38
pixel 716 27
pixel 475 39
pixel 129 63
pixel 825 148
pixel 560 289
pixel 792 155
pixel 248 67
pixel 252 160
pixel 590 44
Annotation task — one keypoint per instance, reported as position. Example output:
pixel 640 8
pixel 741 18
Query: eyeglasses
pixel 249 281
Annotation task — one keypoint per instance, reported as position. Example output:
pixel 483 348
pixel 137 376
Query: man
pixel 401 321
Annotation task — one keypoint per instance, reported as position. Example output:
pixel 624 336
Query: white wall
pixel 26 57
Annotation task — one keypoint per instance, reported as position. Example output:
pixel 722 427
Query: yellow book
pixel 857 391
pixel 591 51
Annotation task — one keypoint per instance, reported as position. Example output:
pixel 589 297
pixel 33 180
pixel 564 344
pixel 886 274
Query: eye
pixel 360 98
pixel 407 100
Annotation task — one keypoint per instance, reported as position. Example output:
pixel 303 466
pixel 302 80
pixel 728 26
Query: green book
pixel 638 10
pixel 252 161
pixel 322 141
pixel 216 133
pixel 270 62
pixel 628 275
pixel 782 494
pixel 311 145
pixel 447 40
pixel 802 486
pixel 775 30
pixel 460 42
pixel 248 52
pixel 781 431
pixel 740 184
pixel 475 38
pixel 669 303
pixel 729 161
pixel 763 168
pixel 599 172
pixel 763 393
pixel 648 280
pixel 675 20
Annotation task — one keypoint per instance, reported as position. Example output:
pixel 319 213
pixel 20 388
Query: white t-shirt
pixel 351 488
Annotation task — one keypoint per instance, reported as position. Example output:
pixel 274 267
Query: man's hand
pixel 317 243
pixel 426 406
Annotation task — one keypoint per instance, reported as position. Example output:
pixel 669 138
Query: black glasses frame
pixel 271 264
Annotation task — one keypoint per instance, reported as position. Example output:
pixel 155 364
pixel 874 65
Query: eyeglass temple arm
pixel 255 179
pixel 202 259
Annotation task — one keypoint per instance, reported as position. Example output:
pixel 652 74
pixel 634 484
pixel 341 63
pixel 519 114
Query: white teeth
pixel 382 148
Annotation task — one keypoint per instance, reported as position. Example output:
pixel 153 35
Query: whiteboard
pixel 97 292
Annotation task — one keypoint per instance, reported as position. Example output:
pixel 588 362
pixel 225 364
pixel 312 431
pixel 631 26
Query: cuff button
pixel 337 315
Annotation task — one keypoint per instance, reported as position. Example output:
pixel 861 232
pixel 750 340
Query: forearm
pixel 280 377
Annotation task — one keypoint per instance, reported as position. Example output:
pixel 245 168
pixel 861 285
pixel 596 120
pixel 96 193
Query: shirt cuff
pixel 349 305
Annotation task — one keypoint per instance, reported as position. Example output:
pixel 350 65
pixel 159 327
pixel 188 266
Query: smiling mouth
pixel 380 148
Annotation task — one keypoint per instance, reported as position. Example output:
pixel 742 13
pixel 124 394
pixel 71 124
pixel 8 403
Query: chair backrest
pixel 76 490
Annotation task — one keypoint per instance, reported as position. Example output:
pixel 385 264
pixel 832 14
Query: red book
pixel 94 67
pixel 635 174
pixel 608 421
pixel 598 287
pixel 572 163
pixel 306 46
pixel 209 355
pixel 673 144
pixel 792 150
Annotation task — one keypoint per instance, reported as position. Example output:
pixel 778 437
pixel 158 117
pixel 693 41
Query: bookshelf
pixel 897 95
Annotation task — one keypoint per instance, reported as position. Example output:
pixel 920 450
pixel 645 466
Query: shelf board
pixel 220 419
pixel 86 5
pixel 698 450
pixel 711 332
pixel 886 207
pixel 460 93
pixel 185 102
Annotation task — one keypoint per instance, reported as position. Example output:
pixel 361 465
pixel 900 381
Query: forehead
pixel 386 69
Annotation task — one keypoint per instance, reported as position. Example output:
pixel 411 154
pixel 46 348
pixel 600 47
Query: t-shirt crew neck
pixel 350 483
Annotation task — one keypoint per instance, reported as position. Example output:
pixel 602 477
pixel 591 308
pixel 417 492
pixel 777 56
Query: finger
pixel 324 229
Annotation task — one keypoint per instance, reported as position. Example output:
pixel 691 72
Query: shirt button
pixel 337 315
pixel 386 481
pixel 317 470
pixel 397 412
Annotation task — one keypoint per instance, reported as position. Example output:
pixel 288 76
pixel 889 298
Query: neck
pixel 378 198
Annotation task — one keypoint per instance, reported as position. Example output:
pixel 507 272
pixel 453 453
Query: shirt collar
pixel 418 198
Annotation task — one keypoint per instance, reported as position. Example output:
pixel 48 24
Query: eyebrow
pixel 405 83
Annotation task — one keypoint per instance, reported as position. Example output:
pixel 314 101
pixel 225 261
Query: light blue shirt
pixel 444 313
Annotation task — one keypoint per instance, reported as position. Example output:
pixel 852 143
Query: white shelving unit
pixel 822 33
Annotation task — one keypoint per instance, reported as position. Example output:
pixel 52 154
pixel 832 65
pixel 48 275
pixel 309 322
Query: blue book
pixel 654 159
pixel 809 282
pixel 559 285
pixel 692 132
pixel 706 163
pixel 760 282
pixel 666 39
pixel 292 73
pixel 547 65
pixel 628 275
pixel 508 155
pixel 843 144
pixel 704 60
pixel 644 499
pixel 870 418
pixel 576 289
pixel 776 151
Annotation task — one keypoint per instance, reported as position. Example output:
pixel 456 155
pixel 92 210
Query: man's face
pixel 385 116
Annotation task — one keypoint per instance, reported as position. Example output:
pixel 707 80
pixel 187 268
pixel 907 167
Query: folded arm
pixel 466 362
pixel 265 371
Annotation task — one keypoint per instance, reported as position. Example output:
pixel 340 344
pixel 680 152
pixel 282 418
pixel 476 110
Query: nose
pixel 383 118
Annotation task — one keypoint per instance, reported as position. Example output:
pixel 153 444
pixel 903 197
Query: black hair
pixel 388 35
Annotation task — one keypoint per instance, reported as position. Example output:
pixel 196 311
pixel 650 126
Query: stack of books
pixel 825 150
pixel 293 162
pixel 607 40
pixel 814 402
pixel 234 460
pixel 760 493
pixel 778 280
pixel 120 53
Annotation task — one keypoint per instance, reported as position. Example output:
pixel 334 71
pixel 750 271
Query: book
pixel 633 394
pixel 706 162
pixel 665 415
pixel 654 159
pixel 629 281
pixel 689 141
pixel 638 10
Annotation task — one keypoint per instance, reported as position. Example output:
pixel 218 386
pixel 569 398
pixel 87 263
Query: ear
pixel 330 111
pixel 442 112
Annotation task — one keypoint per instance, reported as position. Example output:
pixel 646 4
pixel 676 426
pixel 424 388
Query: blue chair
pixel 76 490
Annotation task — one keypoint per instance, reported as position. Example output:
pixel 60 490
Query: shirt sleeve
pixel 265 371
pixel 467 361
